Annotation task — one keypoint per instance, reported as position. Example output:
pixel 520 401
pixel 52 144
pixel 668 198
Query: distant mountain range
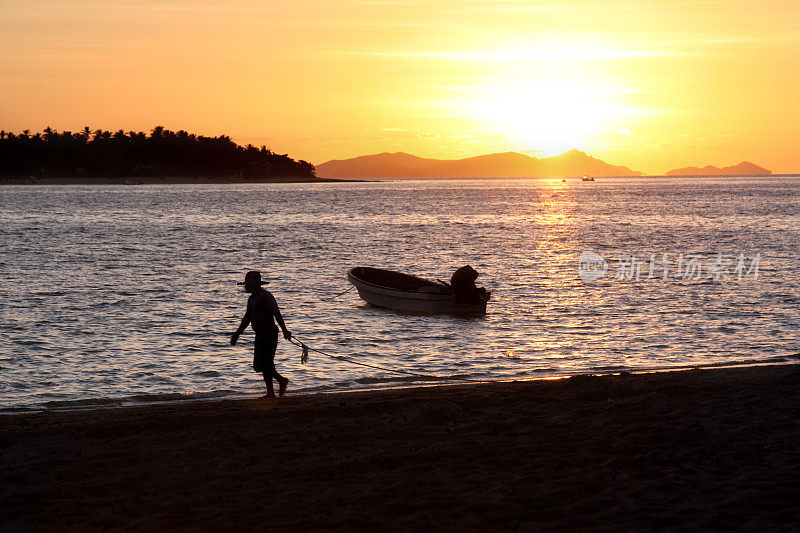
pixel 744 168
pixel 501 165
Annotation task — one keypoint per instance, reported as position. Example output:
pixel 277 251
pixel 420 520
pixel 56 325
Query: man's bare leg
pixel 268 381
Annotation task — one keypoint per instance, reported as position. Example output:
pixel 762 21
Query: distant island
pixel 744 168
pixel 165 156
pixel 501 165
pixel 136 157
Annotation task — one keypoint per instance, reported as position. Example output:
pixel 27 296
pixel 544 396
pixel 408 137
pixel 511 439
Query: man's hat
pixel 253 276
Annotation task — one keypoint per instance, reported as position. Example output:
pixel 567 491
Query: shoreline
pixel 166 180
pixel 176 398
pixel 245 181
pixel 699 449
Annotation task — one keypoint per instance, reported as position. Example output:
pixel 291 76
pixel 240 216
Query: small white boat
pixel 395 290
pixel 587 178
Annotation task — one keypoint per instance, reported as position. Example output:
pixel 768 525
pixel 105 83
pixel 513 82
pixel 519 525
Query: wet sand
pixel 701 449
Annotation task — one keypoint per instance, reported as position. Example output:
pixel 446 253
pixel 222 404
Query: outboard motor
pixel 463 283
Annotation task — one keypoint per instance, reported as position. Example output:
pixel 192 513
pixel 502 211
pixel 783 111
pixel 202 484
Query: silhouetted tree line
pixel 131 154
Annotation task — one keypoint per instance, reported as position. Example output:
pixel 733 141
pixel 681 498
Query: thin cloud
pixel 526 55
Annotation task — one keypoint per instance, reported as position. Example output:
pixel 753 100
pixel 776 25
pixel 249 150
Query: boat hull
pixel 426 297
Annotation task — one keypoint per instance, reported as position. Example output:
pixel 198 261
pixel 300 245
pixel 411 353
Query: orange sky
pixel 652 85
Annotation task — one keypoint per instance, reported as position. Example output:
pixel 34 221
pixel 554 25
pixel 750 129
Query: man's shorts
pixel 264 350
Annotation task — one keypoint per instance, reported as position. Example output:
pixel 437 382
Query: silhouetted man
pixel 261 308
pixel 463 283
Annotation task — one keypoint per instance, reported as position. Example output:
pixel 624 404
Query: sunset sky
pixel 652 85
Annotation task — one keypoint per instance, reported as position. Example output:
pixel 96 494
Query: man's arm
pixel 242 327
pixel 276 312
pixel 279 318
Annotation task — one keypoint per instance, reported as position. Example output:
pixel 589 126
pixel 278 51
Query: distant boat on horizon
pixel 587 178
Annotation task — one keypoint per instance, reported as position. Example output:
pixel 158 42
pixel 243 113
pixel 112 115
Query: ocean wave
pixel 410 379
pixel 778 359
pixel 319 388
pixel 87 403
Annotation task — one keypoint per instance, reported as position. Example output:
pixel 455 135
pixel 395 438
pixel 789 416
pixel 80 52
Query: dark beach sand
pixel 701 449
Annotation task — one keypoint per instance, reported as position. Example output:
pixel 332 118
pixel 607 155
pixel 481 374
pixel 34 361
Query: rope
pixel 337 295
pixel 306 348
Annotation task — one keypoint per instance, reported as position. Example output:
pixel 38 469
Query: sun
pixel 548 95
pixel 545 115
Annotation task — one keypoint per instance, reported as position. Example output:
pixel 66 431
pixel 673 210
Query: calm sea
pixel 125 294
